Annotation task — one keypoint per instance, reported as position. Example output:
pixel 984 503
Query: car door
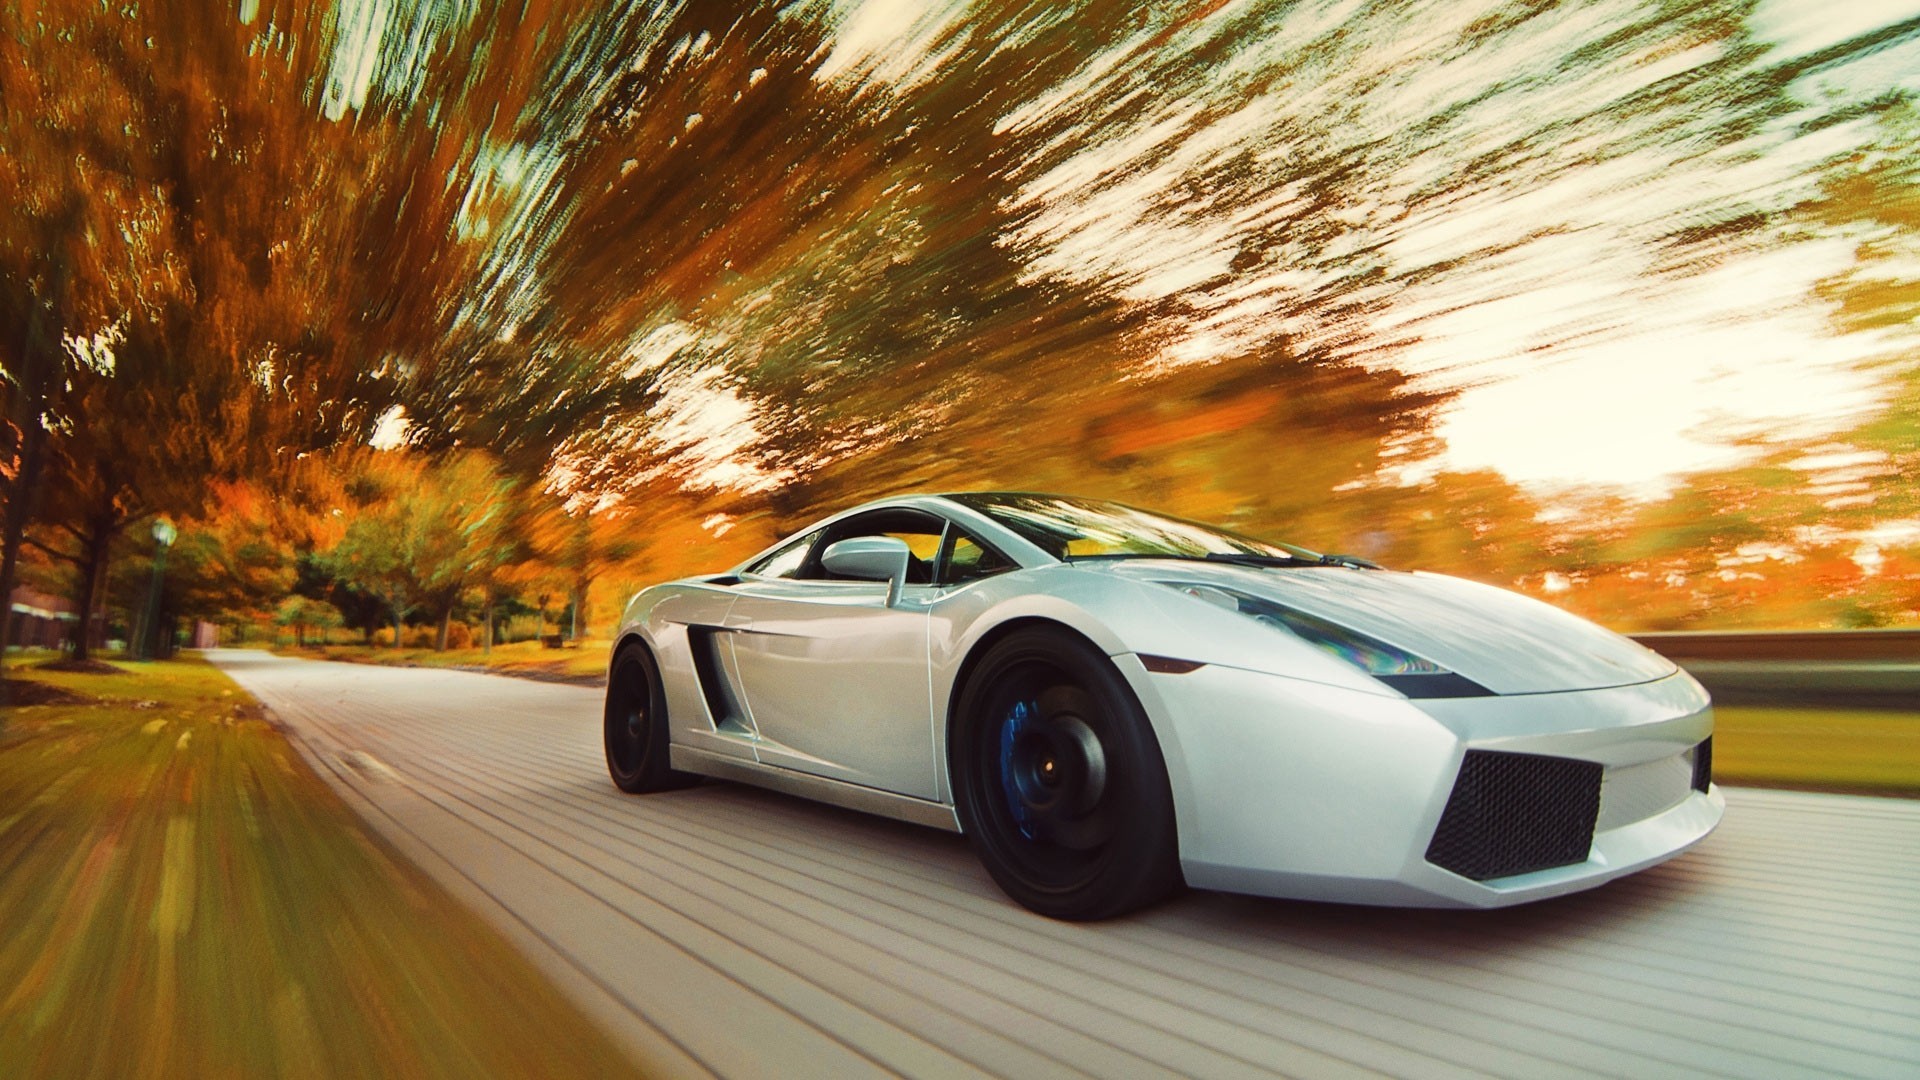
pixel 836 681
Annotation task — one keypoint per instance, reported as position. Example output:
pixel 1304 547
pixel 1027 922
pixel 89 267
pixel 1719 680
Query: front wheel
pixel 636 725
pixel 1059 780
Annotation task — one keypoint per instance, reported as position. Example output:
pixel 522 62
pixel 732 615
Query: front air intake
pixel 1515 813
pixel 1703 764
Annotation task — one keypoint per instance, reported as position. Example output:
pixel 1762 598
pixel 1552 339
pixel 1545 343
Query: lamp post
pixel 163 536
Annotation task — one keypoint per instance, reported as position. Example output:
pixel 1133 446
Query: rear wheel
pixel 636 725
pixel 1059 781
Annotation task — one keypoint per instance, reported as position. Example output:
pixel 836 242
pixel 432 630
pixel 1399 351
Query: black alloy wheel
pixel 636 725
pixel 1059 780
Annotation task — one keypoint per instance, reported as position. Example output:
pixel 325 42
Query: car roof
pixel 1010 543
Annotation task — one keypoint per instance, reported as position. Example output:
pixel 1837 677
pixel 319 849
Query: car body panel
pixel 835 681
pixel 1352 788
pixel 1508 643
pixel 676 614
pixel 1293 772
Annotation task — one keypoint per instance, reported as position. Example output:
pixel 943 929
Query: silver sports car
pixel 1110 702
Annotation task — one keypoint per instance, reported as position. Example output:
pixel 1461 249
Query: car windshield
pixel 1069 528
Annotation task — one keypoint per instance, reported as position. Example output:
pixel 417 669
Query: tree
pixel 207 356
pixel 385 537
pixel 84 233
pixel 482 511
pixel 1872 197
pixel 420 534
pixel 300 614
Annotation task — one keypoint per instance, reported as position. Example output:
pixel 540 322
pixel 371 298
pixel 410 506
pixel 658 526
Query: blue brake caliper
pixel 1017 720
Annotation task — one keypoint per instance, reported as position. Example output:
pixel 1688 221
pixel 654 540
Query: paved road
pixel 729 931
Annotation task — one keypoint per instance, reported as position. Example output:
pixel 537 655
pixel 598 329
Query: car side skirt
pixel 818 788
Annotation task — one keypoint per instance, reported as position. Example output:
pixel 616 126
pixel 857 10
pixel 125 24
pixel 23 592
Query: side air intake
pixel 704 642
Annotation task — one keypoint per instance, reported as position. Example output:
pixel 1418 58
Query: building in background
pixel 39 620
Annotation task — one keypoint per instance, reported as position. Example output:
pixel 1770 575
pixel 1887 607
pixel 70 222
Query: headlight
pixel 1371 655
pixel 1414 676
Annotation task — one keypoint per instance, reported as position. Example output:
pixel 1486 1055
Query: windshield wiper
pixel 1354 561
pixel 1248 558
pixel 1237 558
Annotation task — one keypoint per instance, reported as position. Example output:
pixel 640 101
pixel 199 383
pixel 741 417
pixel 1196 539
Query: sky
pixel 1737 352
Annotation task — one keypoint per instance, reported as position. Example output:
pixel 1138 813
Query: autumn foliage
pixel 627 291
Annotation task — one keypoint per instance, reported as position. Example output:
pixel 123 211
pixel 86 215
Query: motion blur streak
pixel 1386 278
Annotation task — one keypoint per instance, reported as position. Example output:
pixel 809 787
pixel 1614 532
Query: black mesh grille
pixel 1703 764
pixel 1514 813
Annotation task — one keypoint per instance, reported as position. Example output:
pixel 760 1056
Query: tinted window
pixel 970 560
pixel 787 562
pixel 921 531
pixel 1070 528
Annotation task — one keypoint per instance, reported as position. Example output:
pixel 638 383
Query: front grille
pixel 1634 793
pixel 1703 764
pixel 1515 813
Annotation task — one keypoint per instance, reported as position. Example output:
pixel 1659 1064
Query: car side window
pixel 922 532
pixel 788 561
pixel 970 560
pixel 924 547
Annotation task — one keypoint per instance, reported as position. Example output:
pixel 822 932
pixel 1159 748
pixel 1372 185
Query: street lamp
pixel 163 537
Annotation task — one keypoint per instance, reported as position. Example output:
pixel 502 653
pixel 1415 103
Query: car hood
pixel 1506 642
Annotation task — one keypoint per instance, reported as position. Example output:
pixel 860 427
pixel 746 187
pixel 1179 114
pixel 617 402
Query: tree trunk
pixel 136 631
pixel 582 621
pixel 396 628
pixel 446 624
pixel 39 372
pixel 93 572
pixel 486 643
pixel 26 488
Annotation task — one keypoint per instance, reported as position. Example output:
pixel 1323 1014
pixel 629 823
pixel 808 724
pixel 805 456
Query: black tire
pixel 636 725
pixel 1059 780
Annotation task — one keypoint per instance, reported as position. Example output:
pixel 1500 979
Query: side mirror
pixel 870 558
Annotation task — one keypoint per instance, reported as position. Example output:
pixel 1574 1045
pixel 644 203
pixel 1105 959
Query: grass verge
pixel 1856 750
pixel 182 896
pixel 588 663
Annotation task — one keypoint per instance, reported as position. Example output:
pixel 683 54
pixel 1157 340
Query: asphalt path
pixel 729 931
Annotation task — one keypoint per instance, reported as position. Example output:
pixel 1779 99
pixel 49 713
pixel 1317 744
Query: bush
pixel 459 636
pixel 383 636
pixel 422 637
pixel 518 628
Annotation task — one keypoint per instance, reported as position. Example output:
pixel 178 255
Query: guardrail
pixel 1874 669
pixel 1895 645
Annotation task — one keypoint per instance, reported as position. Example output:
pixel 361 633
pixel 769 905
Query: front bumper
pixel 1288 788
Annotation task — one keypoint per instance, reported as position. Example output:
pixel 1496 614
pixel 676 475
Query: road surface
pixel 724 930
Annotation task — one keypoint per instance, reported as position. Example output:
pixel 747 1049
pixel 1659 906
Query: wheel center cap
pixel 1057 767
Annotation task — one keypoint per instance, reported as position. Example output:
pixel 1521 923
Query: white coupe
pixel 1110 702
